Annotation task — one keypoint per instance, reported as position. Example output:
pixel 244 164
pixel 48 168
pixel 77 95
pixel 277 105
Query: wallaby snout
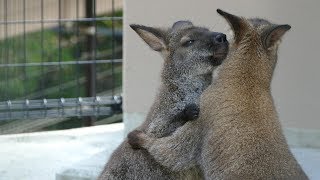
pixel 220 38
pixel 220 47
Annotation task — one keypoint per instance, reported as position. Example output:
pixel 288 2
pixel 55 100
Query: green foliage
pixel 37 82
pixel 26 82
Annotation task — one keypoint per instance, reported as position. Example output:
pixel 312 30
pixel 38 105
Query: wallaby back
pixel 245 138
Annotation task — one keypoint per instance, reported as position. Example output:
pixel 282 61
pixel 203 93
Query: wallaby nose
pixel 220 38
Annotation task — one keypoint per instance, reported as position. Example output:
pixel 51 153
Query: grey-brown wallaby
pixel 238 134
pixel 190 55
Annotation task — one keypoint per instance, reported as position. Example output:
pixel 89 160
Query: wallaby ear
pixel 274 34
pixel 238 24
pixel 152 36
pixel 182 24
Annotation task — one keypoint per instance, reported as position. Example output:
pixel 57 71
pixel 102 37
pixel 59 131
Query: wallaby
pixel 190 55
pixel 238 134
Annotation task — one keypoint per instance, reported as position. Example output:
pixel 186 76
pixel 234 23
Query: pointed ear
pixel 238 24
pixel 274 34
pixel 182 24
pixel 154 37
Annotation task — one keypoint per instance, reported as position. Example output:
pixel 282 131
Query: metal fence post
pixel 91 68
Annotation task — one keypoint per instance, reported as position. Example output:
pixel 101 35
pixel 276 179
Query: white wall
pixel 296 84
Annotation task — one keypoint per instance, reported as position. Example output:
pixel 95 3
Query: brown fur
pixel 238 134
pixel 186 73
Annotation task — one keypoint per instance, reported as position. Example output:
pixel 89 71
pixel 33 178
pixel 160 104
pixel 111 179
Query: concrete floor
pixel 39 156
pixel 81 153
pixel 309 159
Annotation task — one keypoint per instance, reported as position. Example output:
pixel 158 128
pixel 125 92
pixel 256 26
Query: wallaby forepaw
pixel 192 112
pixel 134 140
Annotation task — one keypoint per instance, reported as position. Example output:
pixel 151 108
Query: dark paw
pixel 191 112
pixel 134 140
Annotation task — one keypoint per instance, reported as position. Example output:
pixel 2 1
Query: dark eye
pixel 188 43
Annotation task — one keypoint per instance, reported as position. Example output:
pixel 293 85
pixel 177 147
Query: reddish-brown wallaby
pixel 238 133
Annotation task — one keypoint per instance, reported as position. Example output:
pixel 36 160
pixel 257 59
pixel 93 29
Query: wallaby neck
pixel 185 87
pixel 176 92
pixel 173 96
pixel 247 67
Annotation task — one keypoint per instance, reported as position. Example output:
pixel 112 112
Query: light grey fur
pixel 238 134
pixel 186 73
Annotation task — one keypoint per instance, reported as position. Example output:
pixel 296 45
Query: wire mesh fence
pixel 59 59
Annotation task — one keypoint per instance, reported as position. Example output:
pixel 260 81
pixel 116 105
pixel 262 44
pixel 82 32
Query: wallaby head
pixel 260 39
pixel 237 134
pixel 188 50
pixel 190 54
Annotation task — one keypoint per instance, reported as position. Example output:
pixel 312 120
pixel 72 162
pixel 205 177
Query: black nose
pixel 220 38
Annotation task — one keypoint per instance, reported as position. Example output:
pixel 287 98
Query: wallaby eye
pixel 188 43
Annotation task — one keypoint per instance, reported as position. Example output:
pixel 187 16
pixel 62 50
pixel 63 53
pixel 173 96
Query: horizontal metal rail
pixel 63 107
pixel 62 20
pixel 62 63
pixel 57 113
pixel 37 123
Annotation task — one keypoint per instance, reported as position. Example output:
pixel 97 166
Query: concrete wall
pixel 296 84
